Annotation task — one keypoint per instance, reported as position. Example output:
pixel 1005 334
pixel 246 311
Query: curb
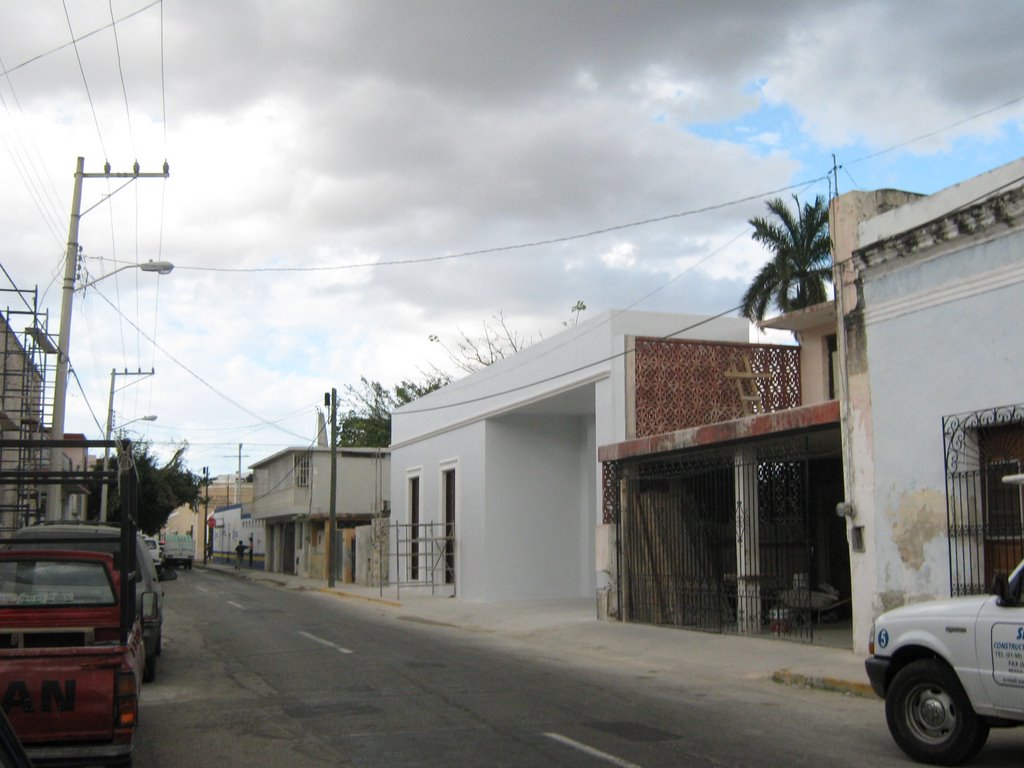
pixel 833 684
pixel 365 598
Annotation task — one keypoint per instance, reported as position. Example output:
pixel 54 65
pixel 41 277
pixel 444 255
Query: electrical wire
pixel 517 246
pixel 936 132
pixel 25 164
pixel 563 374
pixel 85 81
pixel 120 70
pixel 75 40
pixel 196 376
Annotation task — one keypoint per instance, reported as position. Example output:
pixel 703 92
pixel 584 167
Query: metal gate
pixel 985 516
pixel 720 542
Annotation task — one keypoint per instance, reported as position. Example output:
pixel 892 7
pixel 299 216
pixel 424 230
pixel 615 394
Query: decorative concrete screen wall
pixel 680 384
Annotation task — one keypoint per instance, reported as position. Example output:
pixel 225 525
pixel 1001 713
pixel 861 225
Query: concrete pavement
pixel 557 625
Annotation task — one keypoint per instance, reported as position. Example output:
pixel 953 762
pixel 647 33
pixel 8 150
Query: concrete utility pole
pixel 331 400
pixel 206 514
pixel 54 500
pixel 105 491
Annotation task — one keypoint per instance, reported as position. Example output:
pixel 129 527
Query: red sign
pixel 212 523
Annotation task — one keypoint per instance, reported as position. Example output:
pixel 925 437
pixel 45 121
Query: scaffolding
pixel 422 556
pixel 26 394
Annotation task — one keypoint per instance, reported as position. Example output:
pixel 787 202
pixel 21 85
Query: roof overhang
pixel 767 425
pixel 819 315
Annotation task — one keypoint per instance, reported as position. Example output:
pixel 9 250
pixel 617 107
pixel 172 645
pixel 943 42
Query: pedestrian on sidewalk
pixel 240 552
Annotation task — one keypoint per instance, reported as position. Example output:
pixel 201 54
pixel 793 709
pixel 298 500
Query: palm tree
pixel 801 263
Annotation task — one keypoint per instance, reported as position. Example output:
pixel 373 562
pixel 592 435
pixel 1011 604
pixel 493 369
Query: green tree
pixel 367 421
pixel 161 489
pixel 800 269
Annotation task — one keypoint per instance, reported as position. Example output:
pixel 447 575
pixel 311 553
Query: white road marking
pixel 591 751
pixel 239 606
pixel 328 643
pixel 202 589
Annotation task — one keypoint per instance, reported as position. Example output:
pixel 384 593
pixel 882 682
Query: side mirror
pixel 149 605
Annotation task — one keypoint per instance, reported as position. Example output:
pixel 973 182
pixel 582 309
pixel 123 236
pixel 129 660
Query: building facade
pixel 935 380
pixel 496 481
pixel 291 499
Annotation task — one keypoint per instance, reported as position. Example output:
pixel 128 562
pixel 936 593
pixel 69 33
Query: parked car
pixel 178 550
pixel 156 551
pixel 99 537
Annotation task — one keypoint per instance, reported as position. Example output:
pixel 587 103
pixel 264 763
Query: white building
pixel 291 498
pixel 932 292
pixel 504 464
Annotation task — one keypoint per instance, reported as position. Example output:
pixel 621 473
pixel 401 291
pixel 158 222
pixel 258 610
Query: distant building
pixel 291 498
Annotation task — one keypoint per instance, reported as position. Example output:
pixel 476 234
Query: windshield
pixel 34 583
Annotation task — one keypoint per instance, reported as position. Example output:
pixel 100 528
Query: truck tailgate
pixel 60 694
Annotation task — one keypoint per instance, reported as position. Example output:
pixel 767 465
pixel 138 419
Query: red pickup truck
pixel 71 656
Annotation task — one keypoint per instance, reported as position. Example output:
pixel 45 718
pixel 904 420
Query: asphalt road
pixel 255 674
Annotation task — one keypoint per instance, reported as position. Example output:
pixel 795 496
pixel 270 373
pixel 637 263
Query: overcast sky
pixel 349 178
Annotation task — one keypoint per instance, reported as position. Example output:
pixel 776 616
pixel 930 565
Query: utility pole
pixel 206 512
pixel 54 500
pixel 105 491
pixel 331 400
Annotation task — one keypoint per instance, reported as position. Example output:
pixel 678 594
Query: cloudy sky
pixel 349 178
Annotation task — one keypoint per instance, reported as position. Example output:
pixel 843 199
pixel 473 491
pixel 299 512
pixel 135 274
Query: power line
pixel 517 246
pixel 563 374
pixel 120 70
pixel 196 376
pixel 25 163
pixel 85 81
pixel 75 40
pixel 936 132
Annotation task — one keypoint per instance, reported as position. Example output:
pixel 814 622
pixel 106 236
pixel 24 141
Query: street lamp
pixel 60 386
pixel 105 489
pixel 160 267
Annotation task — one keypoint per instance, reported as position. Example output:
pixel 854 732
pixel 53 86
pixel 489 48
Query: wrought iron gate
pixel 721 542
pixel 985 516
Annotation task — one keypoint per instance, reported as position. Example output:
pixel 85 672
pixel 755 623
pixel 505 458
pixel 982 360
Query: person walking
pixel 240 553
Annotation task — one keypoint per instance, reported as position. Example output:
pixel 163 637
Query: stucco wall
pixel 938 346
pixel 462 450
pixel 539 524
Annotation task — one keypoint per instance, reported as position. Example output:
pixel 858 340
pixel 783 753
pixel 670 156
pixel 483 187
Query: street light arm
pixel 160 267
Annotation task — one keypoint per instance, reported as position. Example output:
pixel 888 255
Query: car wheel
pixel 149 671
pixel 930 716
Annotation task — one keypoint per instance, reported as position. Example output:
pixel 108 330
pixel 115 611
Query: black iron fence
pixel 731 540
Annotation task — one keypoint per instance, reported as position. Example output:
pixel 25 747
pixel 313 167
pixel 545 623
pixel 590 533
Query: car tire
pixel 149 670
pixel 930 716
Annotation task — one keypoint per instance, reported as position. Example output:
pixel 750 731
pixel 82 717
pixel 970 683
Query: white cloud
pixel 621 256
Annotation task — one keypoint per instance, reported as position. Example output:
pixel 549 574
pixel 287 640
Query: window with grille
pixel 301 467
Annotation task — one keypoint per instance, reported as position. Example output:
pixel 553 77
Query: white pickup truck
pixel 950 670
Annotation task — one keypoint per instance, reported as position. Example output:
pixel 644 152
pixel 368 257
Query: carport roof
pixel 773 424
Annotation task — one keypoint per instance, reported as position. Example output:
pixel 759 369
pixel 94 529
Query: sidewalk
pixel 562 625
